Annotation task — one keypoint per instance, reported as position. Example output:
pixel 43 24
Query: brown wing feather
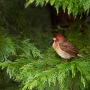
pixel 69 48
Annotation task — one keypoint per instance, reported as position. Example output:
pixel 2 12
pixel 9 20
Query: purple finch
pixel 64 48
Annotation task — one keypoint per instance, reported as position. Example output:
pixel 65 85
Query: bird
pixel 64 48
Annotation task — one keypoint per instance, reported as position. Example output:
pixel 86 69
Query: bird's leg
pixel 68 60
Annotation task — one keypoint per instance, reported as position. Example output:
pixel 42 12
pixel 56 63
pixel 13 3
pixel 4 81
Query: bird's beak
pixel 54 38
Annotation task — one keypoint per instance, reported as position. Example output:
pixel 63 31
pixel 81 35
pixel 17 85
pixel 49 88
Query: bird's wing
pixel 69 48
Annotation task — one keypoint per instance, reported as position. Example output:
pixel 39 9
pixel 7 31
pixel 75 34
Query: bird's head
pixel 59 38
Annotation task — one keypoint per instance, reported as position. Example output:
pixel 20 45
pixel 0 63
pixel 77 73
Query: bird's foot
pixel 68 60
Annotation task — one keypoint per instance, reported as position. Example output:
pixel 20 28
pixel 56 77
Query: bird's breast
pixel 60 52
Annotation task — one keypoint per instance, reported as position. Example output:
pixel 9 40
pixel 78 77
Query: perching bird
pixel 64 48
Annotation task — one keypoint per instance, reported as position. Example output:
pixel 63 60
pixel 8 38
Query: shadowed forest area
pixel 27 59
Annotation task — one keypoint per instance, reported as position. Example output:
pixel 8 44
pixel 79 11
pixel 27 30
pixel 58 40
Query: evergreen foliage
pixel 6 48
pixel 42 71
pixel 26 53
pixel 75 7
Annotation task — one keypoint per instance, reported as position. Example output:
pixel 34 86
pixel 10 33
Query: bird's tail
pixel 80 55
